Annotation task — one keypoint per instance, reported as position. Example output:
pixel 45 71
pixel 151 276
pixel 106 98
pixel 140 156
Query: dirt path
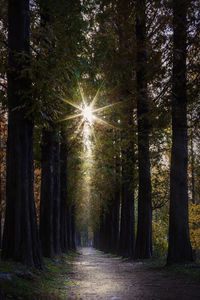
pixel 101 277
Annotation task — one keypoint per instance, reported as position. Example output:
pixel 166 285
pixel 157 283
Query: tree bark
pixel 1 158
pixel 73 227
pixel 179 250
pixel 63 193
pixel 127 228
pixel 56 196
pixel 125 32
pixel 116 208
pixel 20 239
pixel 193 169
pixel 144 227
pixel 47 194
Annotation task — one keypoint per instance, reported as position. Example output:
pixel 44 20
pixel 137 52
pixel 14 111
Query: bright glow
pixel 87 114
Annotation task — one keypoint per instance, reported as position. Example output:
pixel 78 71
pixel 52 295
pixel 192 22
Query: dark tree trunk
pixel 108 229
pixel 144 228
pixel 47 194
pixel 127 226
pixel 101 230
pixel 56 196
pixel 127 231
pixel 115 203
pixel 63 193
pixel 192 170
pixel 1 150
pixel 21 239
pixel 69 227
pixel 73 228
pixel 179 250
pixel 115 209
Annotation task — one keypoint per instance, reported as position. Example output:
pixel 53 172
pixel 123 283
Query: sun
pixel 87 114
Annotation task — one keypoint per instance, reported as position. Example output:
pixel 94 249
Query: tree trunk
pixel 192 169
pixel 56 196
pixel 1 151
pixel 125 32
pixel 47 196
pixel 73 227
pixel 101 229
pixel 20 240
pixel 116 208
pixel 127 228
pixel 63 193
pixel 179 250
pixel 144 227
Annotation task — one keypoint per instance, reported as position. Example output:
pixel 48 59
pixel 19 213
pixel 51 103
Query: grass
pixel 99 251
pixel 190 271
pixel 112 255
pixel 53 283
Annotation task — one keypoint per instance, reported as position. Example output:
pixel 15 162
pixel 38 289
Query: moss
pixel 53 283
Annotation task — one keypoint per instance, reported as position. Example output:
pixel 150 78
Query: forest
pixel 99 131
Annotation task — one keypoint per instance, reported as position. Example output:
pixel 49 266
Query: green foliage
pixel 194 222
pixel 160 239
pixel 53 282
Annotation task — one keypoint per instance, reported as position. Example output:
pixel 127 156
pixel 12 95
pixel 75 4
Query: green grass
pixel 112 255
pixel 53 283
pixel 99 251
pixel 190 271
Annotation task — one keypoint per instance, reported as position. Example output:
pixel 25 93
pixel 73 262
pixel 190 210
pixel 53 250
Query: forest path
pixel 101 277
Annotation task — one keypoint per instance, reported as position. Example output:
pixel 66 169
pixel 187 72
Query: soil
pixel 99 276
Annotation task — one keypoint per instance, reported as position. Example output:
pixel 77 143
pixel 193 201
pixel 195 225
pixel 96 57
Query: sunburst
pixel 88 112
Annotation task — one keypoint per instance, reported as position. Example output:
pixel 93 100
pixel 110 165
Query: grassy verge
pixel 53 283
pixel 190 271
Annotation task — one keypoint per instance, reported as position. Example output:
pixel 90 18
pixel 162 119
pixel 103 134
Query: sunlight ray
pixel 104 107
pixel 99 120
pixel 95 97
pixel 82 95
pixel 72 117
pixel 71 103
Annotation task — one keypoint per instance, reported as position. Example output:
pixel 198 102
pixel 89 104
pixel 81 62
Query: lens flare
pixel 88 114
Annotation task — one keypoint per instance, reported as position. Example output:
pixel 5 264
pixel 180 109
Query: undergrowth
pixel 52 283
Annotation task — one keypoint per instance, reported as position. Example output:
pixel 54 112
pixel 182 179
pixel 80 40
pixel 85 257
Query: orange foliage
pixel 37 186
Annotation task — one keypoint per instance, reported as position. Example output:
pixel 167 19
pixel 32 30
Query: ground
pixel 100 276
pixel 93 275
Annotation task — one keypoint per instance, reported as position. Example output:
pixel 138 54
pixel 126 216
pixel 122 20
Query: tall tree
pixel 63 192
pixel 56 195
pixel 47 194
pixel 20 239
pixel 0 180
pixel 144 227
pixel 125 32
pixel 179 241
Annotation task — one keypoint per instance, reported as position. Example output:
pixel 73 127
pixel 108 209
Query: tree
pixel 144 227
pixel 47 194
pixel 20 238
pixel 63 192
pixel 179 250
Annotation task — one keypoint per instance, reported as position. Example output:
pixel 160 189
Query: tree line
pixel 145 52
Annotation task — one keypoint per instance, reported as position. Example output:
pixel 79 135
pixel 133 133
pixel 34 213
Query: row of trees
pixel 147 53
pixel 128 46
pixel 33 80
